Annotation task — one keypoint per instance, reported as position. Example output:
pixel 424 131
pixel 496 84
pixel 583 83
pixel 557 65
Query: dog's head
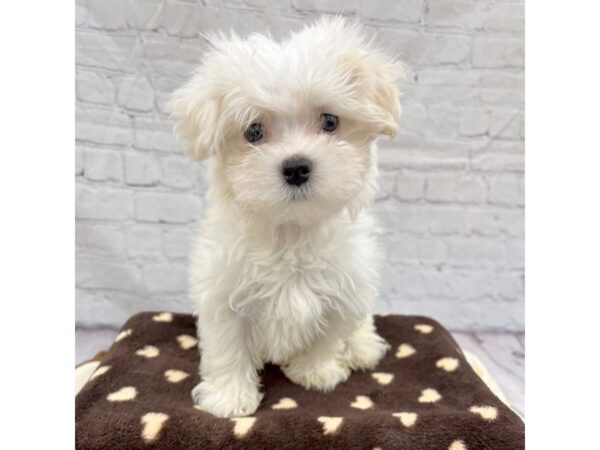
pixel 290 125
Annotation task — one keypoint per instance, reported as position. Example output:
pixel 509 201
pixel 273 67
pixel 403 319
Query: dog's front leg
pixel 318 367
pixel 229 385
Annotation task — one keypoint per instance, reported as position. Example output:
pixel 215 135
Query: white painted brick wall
pixel 452 198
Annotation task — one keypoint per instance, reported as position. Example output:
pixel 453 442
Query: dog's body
pixel 284 268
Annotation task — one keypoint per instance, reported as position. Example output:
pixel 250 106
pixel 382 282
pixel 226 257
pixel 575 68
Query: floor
pixel 503 354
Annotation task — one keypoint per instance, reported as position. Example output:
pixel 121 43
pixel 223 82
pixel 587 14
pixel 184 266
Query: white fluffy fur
pixel 280 273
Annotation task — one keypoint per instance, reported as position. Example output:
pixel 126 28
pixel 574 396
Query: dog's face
pixel 290 125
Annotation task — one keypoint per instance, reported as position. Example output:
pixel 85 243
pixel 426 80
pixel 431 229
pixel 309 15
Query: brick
pixel 431 250
pixel 106 14
pixel 93 87
pixel 119 53
pixel 165 277
pixel 167 207
pixel 155 134
pixel 456 14
pixel 474 122
pixel 402 249
pixel 469 251
pixel 387 185
pixel 452 187
pixel 506 124
pixel 144 241
pixel 482 222
pixel 80 13
pixel 492 52
pixel 94 308
pixel 177 242
pixel 178 172
pixel 141 169
pixel 344 7
pixel 505 16
pixel 102 126
pixel 410 186
pixel 515 253
pixel 136 94
pixel 98 239
pixel 474 284
pixel 402 11
pixel 507 190
pixel 182 18
pixel 79 161
pixel 97 274
pixel 103 165
pixel 102 203
pixel 499 162
pixel 427 48
pixel 170 56
pixel 145 14
pixel 510 285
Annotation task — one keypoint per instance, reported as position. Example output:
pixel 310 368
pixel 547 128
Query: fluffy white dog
pixel 284 269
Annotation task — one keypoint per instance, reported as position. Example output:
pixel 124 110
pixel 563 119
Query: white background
pixel 452 197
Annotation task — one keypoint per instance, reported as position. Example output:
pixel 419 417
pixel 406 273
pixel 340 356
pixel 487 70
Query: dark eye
pixel 254 132
pixel 329 122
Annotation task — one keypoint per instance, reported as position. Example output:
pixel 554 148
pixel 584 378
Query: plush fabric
pixel 423 395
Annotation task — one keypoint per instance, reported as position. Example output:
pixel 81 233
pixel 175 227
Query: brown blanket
pixel 423 395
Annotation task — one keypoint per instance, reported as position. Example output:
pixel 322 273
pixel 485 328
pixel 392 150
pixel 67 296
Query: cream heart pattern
pixel 242 425
pixel 486 412
pixel 285 403
pixel 122 395
pixel 163 317
pixel 175 376
pixel 424 328
pixel 149 351
pixel 383 378
pixel 123 334
pixel 362 402
pixel 448 364
pixel 330 424
pixel 429 396
pixel 407 419
pixel 186 341
pixel 457 445
pixel 152 423
pixel 405 350
pixel 100 371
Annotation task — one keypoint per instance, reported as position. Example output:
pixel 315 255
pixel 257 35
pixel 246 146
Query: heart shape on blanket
pixel 405 350
pixel 424 328
pixel 186 341
pixel 175 376
pixel 122 395
pixel 383 378
pixel 485 411
pixel 407 419
pixel 457 445
pixel 152 423
pixel 448 364
pixel 149 351
pixel 429 396
pixel 123 334
pixel 330 424
pixel 163 317
pixel 285 403
pixel 362 402
pixel 242 425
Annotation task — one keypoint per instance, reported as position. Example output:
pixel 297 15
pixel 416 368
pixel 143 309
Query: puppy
pixel 284 268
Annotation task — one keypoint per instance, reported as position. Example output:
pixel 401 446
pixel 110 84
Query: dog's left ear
pixel 375 76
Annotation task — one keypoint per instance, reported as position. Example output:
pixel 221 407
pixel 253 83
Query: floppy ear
pixel 374 75
pixel 195 109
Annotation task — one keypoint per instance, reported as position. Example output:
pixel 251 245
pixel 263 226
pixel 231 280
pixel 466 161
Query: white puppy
pixel 284 268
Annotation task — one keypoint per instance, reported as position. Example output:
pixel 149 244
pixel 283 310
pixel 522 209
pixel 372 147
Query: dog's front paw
pixel 364 351
pixel 232 400
pixel 322 377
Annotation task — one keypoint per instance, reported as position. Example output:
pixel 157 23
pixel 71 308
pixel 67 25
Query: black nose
pixel 296 171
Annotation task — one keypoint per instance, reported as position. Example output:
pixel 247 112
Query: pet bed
pixel 422 395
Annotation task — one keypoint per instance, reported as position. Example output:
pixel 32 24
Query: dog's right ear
pixel 195 109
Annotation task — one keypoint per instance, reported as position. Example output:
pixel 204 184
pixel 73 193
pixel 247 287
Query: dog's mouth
pixel 299 193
